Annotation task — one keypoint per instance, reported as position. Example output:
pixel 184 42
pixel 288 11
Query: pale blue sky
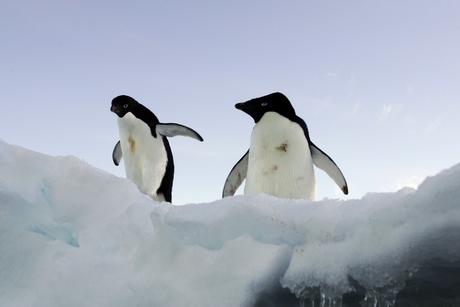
pixel 378 82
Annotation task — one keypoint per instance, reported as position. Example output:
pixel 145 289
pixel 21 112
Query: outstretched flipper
pixel 324 162
pixel 236 176
pixel 117 154
pixel 172 129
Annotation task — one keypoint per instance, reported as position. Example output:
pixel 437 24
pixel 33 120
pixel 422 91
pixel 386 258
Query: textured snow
pixel 73 235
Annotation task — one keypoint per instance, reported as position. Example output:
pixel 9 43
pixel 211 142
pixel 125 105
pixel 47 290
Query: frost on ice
pixel 72 235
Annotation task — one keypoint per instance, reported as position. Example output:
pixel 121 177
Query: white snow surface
pixel 73 235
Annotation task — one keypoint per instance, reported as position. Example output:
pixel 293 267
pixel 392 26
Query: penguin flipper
pixel 117 154
pixel 236 176
pixel 324 162
pixel 173 129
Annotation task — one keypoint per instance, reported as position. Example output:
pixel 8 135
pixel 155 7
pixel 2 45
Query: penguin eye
pixel 264 104
pixel 125 106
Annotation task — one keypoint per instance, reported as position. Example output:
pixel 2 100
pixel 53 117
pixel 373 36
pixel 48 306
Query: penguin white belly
pixel 280 162
pixel 145 156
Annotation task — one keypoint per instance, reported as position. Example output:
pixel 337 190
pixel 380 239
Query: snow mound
pixel 72 235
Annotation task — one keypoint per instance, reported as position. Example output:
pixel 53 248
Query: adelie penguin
pixel 145 148
pixel 280 159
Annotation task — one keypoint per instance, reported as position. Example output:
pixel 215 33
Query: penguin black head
pixel 122 105
pixel 275 102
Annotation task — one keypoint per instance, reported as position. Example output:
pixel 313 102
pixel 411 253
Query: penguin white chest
pixel 145 156
pixel 280 161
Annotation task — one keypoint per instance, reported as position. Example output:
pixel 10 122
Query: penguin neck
pixel 271 127
pixel 130 123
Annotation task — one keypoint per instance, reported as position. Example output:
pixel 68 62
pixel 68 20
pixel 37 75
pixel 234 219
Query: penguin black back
pixel 166 185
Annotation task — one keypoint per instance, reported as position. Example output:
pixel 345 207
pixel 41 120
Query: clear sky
pixel 377 82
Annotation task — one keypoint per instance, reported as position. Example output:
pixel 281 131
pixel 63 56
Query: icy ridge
pixel 71 234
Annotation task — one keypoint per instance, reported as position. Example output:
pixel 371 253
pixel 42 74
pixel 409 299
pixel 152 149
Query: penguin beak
pixel 113 109
pixel 240 106
pixel 246 107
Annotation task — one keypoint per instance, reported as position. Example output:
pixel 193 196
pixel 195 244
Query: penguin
pixel 281 156
pixel 145 148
